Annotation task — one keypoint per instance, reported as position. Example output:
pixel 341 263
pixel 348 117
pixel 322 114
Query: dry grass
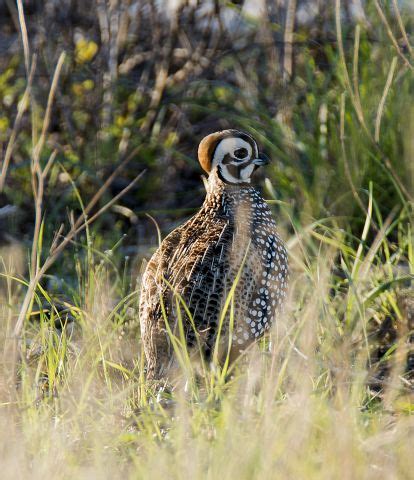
pixel 74 400
pixel 298 407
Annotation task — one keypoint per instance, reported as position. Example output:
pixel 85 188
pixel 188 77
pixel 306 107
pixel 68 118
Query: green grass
pixel 74 398
pixel 296 407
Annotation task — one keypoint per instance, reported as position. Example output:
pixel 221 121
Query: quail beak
pixel 261 160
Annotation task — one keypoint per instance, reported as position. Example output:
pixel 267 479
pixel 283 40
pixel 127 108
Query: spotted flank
pixel 231 242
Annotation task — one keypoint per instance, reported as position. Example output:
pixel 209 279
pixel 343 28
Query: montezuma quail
pixel 231 242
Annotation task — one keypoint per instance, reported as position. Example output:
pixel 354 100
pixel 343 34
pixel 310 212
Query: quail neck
pixel 226 197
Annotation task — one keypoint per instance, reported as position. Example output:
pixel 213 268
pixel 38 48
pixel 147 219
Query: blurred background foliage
pixel 157 76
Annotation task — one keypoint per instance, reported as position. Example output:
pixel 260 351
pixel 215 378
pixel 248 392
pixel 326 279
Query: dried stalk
pixel 288 39
pixel 21 109
pixel 38 175
pixel 58 247
pixel 354 97
pixel 25 38
pixel 355 71
pixel 402 28
pixel 383 98
pixel 345 157
pixel 391 36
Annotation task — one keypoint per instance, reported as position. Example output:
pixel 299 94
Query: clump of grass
pixel 298 408
pixel 75 401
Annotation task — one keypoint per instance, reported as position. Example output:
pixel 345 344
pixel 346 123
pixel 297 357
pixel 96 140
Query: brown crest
pixel 206 150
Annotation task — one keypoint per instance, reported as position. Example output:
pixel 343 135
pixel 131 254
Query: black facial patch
pixel 241 153
pixel 245 137
pixel 234 170
pixel 227 159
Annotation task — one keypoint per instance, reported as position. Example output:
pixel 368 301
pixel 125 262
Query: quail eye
pixel 240 153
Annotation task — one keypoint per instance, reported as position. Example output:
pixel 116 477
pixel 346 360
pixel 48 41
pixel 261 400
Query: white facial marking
pixel 228 146
pixel 229 177
pixel 246 172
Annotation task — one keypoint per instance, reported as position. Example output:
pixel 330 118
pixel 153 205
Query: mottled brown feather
pixel 233 233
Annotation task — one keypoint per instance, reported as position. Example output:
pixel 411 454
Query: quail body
pixel 223 272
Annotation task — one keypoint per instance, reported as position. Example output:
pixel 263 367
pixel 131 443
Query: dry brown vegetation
pixel 102 106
